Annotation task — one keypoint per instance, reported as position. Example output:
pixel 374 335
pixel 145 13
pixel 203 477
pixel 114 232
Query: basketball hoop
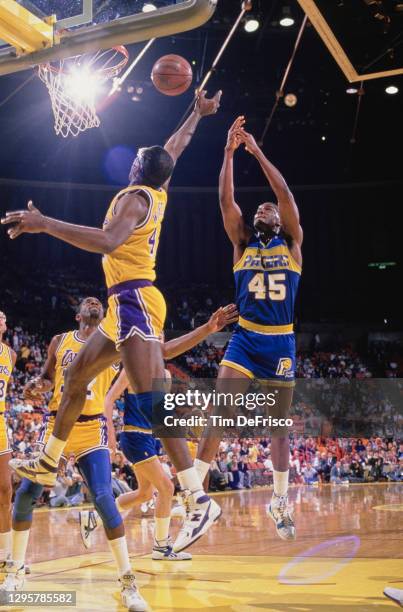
pixel 73 84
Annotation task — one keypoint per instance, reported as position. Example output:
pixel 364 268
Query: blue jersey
pixel 266 281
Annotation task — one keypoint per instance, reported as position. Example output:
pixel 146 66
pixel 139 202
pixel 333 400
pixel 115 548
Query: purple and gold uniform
pixel 6 366
pixel 90 431
pixel 135 306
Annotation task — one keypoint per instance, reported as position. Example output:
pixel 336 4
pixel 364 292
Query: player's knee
pixel 165 487
pixel 75 379
pixel 5 492
pixel 105 505
pixel 25 499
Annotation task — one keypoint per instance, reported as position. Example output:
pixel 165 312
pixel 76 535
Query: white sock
pixel 190 479
pixel 54 449
pixel 121 555
pixel 280 480
pixel 161 531
pixel 19 548
pixel 202 468
pixel 5 545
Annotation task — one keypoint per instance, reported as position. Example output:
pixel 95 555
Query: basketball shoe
pixel 89 522
pixel 36 470
pixel 203 512
pixel 14 577
pixel 131 598
pixel 395 595
pixel 164 552
pixel 279 512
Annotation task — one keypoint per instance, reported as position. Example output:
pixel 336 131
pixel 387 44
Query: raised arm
pixel 180 140
pixel 219 319
pixel 44 383
pixel 131 210
pixel 234 222
pixel 288 209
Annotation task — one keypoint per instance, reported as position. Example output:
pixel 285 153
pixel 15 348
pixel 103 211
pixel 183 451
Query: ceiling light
pixel 286 19
pixel 148 7
pixel 392 89
pixel 251 25
pixel 351 90
pixel 290 100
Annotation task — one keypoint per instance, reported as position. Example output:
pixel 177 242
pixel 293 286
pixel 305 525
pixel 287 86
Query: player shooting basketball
pixel 267 269
pixel 136 312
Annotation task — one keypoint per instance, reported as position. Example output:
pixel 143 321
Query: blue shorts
pixel 262 356
pixel 139 447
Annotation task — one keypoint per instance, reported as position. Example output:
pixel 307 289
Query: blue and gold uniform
pixel 6 366
pixel 135 306
pixel 136 440
pixel 266 281
pixel 90 431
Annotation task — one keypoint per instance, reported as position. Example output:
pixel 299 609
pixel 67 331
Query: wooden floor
pixel 349 547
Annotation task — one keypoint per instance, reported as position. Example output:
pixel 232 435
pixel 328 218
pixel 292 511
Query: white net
pixel 75 87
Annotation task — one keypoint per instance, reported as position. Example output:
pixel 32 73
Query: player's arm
pixel 131 209
pixel 234 223
pixel 180 140
pixel 219 319
pixel 288 209
pixel 45 381
pixel 113 394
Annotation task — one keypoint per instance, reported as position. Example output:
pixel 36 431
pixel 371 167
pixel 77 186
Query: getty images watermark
pixel 196 408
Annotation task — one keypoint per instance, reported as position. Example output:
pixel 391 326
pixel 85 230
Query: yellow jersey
pixel 67 349
pixel 135 259
pixel 6 366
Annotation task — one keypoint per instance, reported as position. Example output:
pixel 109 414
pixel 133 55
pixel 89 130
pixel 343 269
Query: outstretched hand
pixel 222 317
pixel 234 134
pixel 207 106
pixel 30 221
pixel 249 141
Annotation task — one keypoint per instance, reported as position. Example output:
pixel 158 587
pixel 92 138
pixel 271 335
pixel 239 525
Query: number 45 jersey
pixel 266 281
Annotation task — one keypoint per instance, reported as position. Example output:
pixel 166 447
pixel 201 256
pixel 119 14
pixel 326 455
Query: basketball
pixel 172 75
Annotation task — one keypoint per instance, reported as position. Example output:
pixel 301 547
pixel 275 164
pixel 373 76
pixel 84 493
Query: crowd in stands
pixel 240 463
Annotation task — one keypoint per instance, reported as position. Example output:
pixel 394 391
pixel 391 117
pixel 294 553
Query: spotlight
pixel 392 89
pixel 290 100
pixel 351 90
pixel 323 138
pixel 251 25
pixel 286 18
pixel 148 7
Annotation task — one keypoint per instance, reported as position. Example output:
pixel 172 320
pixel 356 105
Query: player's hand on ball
pixel 30 221
pixel 234 135
pixel 249 141
pixel 223 317
pixel 208 106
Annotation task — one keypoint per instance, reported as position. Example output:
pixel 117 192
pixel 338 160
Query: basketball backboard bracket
pixel 165 21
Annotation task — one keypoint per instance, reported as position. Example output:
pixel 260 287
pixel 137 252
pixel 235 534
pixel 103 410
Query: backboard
pixel 82 26
pixel 363 36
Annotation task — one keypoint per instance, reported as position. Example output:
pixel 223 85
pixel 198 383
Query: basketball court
pixel 348 549
pixel 350 542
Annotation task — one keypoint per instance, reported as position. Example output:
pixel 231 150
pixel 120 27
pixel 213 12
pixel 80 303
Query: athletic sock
pixel 202 468
pixel 19 546
pixel 280 481
pixel 190 479
pixel 53 450
pixel 161 531
pixel 5 545
pixel 121 555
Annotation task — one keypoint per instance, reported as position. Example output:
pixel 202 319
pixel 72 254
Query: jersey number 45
pixel 276 288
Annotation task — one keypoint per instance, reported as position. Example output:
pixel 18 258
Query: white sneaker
pixel 279 512
pixel 15 578
pixel 37 470
pixel 395 595
pixel 166 553
pixel 203 512
pixel 89 522
pixel 131 598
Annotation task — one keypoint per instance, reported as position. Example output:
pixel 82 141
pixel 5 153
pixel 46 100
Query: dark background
pixel 349 194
